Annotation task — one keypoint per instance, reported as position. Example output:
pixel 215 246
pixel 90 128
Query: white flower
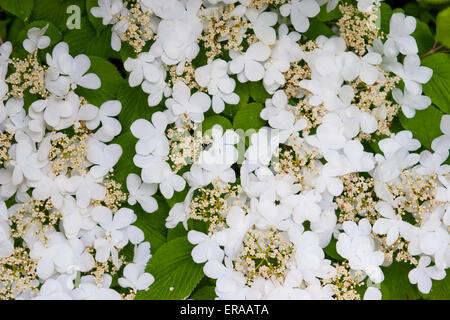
pixel 104 157
pixel 56 289
pixel 117 230
pixel 144 67
pixel 206 248
pixel 58 111
pixel 390 224
pixel 53 187
pixel 357 246
pixel 107 10
pixel 372 293
pixel 305 205
pixel 410 102
pixel 230 284
pixel 263 146
pixel 248 66
pixel 300 11
pixel 177 36
pixel 141 193
pixel 25 162
pixel 412 73
pixel 422 274
pixel 262 23
pixel 54 255
pixel 221 154
pixel 330 134
pixel 399 38
pixel 366 5
pixel 214 77
pixel 118 34
pixel 152 138
pixel 6 241
pixel 182 102
pixel 156 170
pixel 279 116
pixel 88 188
pixel 89 289
pixel 111 127
pixel 135 279
pixel 65 71
pixel 36 39
pixel 285 51
pixel 231 238
pixel 442 143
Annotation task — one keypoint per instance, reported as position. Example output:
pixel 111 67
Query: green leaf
pixel 248 117
pixel 209 122
pixel 425 125
pixel 178 231
pixel 384 19
pixel 243 91
pixel 443 27
pixel 423 36
pixel 14 31
pixel 396 285
pixel 204 293
pixel 134 105
pixel 257 92
pixel 438 88
pixel 110 78
pixel 330 250
pixel 176 274
pixel 96 22
pixel 435 2
pixel 317 28
pixel 19 8
pixel 86 41
pixel 55 11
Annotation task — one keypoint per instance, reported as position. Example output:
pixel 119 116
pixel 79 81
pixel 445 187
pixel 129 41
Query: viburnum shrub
pixel 229 149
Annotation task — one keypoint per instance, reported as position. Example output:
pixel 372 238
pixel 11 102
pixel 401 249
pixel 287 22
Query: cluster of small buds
pixel 187 76
pixel 345 282
pixel 101 268
pixel 29 75
pixel 312 114
pixel 6 139
pixel 138 23
pixel 357 200
pixel 398 251
pixel 293 76
pixel 358 29
pixel 222 26
pixel 265 253
pixel 18 274
pixel 39 216
pixel 115 197
pixel 415 194
pixel 260 3
pixel 212 203
pixel 68 154
pixel 375 100
pixel 297 159
pixel 186 142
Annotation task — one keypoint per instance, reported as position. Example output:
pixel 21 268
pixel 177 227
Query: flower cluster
pixel 304 182
pixel 63 231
